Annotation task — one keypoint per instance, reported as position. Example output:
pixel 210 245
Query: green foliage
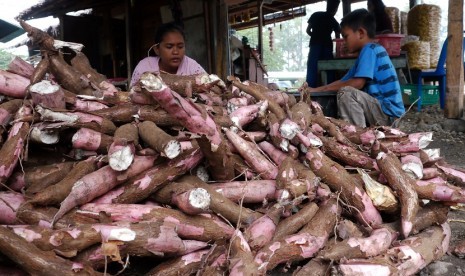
pixel 290 45
pixel 5 59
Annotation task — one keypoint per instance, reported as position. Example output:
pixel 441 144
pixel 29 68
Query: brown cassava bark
pixel 36 261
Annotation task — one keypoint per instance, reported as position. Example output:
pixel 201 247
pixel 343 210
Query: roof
pixel 9 31
pixel 59 7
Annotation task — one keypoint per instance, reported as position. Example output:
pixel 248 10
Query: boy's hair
pixel 360 18
pixel 167 28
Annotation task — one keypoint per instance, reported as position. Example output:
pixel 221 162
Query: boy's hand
pixel 303 87
pixel 306 88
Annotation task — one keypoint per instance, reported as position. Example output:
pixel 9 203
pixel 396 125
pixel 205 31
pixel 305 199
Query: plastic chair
pixel 437 75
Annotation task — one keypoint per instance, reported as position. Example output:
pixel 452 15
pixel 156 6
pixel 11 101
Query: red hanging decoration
pixel 270 29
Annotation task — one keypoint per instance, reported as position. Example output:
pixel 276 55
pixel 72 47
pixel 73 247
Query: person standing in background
pixel 383 21
pixel 320 27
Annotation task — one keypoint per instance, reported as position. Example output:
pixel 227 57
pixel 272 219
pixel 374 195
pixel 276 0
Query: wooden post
pixel 454 62
pixel 222 59
pixel 128 24
pixel 260 28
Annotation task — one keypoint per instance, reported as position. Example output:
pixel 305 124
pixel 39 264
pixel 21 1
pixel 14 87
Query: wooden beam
pixel 454 62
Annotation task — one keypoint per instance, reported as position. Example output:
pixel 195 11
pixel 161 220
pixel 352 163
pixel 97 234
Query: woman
pixel 170 50
pixel 383 21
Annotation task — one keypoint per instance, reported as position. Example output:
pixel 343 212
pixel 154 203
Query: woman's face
pixel 171 52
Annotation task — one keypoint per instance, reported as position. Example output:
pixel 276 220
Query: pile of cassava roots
pixel 205 176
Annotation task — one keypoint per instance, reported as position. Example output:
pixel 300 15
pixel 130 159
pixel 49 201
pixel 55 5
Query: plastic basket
pixel 429 96
pixel 391 42
pixel 341 50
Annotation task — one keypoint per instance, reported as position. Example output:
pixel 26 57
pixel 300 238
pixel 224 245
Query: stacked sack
pixel 424 21
pixel 394 15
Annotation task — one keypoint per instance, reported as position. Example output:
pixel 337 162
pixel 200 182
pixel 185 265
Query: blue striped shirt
pixel 374 64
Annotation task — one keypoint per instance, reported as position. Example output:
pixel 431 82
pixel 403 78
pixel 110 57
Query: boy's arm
pixel 357 83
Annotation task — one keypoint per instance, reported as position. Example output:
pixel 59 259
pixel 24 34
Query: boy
pixel 369 94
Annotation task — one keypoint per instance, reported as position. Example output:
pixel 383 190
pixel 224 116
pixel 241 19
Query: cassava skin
pixel 250 191
pixel 274 153
pixel 241 258
pixel 259 96
pixel 146 183
pixel 29 214
pixel 294 223
pixel 303 245
pixel 40 70
pixel 347 155
pixel 82 65
pixel 99 182
pixel 177 194
pixel 403 185
pixel 35 261
pixel 200 227
pixel 316 267
pixel 406 258
pixel 331 128
pixel 9 204
pixel 78 120
pixel 21 67
pixel 13 85
pixel 246 114
pixel 453 175
pixel 355 134
pixel 120 114
pixel 338 179
pixel 191 116
pixel 146 239
pixel 37 178
pixel 13 147
pixel 47 94
pixel 439 190
pixel 88 139
pixel 218 203
pixel 296 178
pixel 364 247
pixel 262 230
pixel 122 150
pixel 69 77
pixel 302 115
pixel 183 265
pixel 57 192
pixel 159 140
pixel 8 110
pixel 253 156
pixel 188 85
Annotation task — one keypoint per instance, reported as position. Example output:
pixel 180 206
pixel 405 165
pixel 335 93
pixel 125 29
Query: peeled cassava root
pixel 206 177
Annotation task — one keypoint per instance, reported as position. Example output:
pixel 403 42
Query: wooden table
pixel 399 62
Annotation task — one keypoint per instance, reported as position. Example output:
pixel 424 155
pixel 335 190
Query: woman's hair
pixel 167 28
pixel 378 6
pixel 360 18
